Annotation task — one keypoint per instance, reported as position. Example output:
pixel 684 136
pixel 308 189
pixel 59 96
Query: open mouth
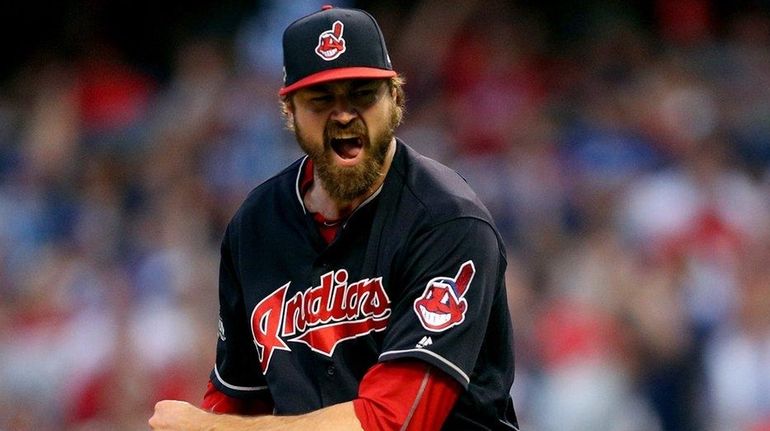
pixel 347 148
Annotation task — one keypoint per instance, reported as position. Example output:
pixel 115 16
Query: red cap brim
pixel 337 74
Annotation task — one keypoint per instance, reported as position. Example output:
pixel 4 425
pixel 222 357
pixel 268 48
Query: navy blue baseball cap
pixel 332 44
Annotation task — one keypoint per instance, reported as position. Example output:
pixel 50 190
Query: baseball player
pixel 363 286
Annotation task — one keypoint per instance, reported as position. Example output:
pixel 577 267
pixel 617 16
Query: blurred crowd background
pixel 623 148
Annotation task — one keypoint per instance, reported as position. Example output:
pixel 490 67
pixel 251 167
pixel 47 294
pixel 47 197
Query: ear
pixel 287 112
pixel 287 106
pixel 287 103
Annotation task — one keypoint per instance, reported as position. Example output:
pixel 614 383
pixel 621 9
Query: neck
pixel 318 200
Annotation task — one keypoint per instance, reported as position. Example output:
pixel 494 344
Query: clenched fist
pixel 178 416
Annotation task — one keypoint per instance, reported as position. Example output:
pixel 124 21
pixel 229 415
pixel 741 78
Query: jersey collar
pixel 305 175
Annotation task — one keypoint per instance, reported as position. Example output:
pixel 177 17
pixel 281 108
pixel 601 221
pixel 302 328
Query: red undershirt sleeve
pixel 405 395
pixel 217 402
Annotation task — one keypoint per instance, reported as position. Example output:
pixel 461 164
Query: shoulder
pixel 437 191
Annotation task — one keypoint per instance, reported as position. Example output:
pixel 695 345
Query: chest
pixel 317 325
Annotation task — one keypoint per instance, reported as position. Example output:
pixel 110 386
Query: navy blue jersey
pixel 417 271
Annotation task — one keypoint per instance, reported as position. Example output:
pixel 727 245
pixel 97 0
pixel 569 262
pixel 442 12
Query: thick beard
pixel 344 184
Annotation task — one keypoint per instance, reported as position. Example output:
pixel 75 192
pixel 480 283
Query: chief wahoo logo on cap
pixel 330 43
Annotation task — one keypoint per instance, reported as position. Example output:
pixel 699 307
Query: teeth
pixel 434 319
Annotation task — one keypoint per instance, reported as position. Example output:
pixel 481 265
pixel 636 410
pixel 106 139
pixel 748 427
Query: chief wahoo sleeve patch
pixel 442 305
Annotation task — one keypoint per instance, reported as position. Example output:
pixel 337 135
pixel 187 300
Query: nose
pixel 343 111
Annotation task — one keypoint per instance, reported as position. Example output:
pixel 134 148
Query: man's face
pixel 346 128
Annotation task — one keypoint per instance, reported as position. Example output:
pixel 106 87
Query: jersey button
pixel 331 370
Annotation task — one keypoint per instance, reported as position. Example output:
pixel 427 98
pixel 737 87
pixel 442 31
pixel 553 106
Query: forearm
pixel 332 418
pixel 180 416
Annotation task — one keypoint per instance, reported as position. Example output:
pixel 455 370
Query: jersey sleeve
pixel 449 281
pixel 405 395
pixel 235 373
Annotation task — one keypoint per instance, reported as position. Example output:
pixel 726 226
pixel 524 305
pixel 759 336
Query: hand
pixel 177 416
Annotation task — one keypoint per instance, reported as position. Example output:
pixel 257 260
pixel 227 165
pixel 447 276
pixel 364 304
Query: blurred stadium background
pixel 622 146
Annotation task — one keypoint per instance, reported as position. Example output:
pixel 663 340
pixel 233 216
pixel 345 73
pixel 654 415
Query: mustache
pixel 335 130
